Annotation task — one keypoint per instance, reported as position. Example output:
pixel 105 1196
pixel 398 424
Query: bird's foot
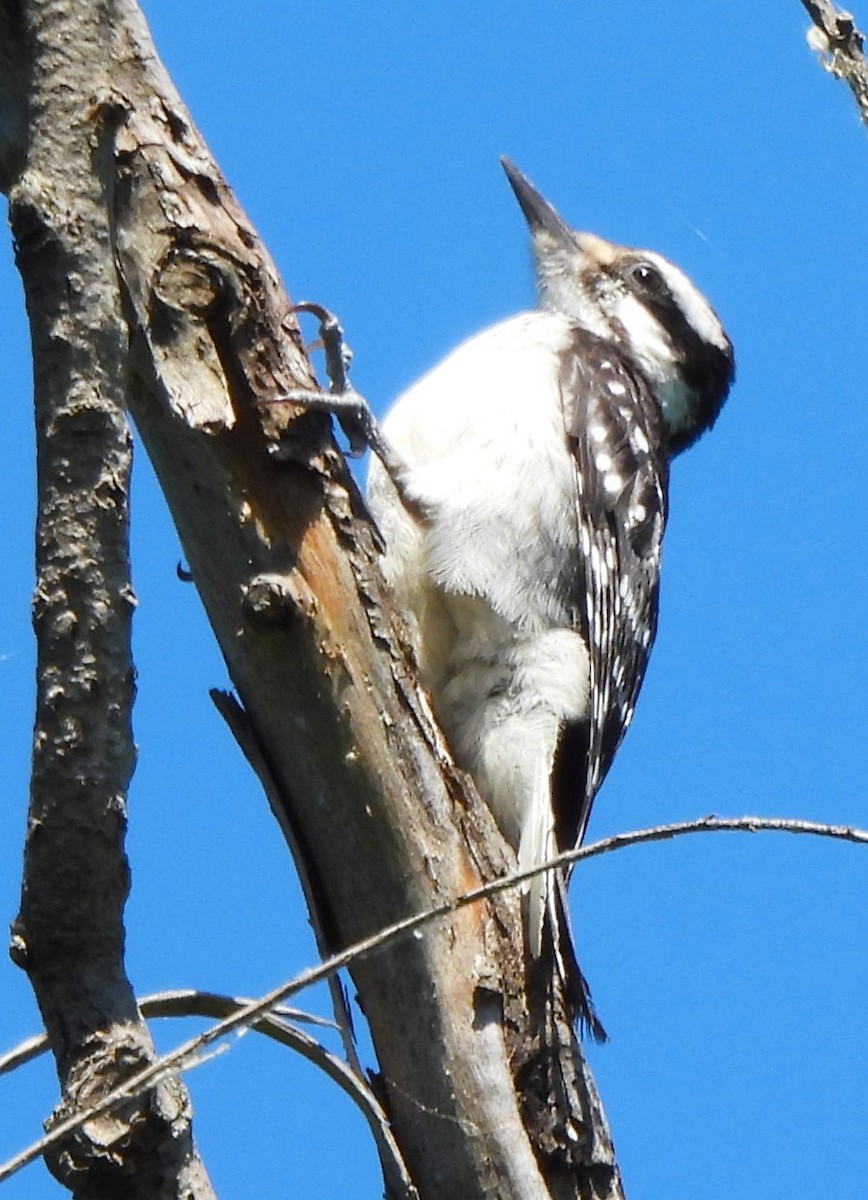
pixel 349 406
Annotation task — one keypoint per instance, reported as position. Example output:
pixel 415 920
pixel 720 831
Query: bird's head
pixel 642 303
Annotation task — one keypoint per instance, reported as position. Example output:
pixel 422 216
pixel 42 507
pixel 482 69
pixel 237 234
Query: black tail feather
pixel 577 992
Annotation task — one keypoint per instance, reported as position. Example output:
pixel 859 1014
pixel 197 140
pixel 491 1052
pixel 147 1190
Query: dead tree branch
pixel 69 935
pixel 236 719
pixel 841 48
pixel 276 1025
pixel 256 1014
pixel 483 1078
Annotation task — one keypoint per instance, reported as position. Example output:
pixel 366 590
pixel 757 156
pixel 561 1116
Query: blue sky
pixel 730 970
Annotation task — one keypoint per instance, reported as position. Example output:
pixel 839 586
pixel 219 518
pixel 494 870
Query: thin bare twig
pixel 275 1025
pixel 235 716
pixel 841 48
pixel 189 1002
pixel 713 824
pixel 188 1053
pixel 176 1002
pixel 23 1053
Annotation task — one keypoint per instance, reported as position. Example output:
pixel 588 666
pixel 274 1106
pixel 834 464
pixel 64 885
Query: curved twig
pixel 188 1053
pixel 175 1002
pixel 239 725
pixel 713 824
pixel 188 1002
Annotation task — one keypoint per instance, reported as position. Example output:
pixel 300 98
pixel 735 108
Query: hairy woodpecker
pixel 523 512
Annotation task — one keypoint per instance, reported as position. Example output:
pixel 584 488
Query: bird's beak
pixel 539 214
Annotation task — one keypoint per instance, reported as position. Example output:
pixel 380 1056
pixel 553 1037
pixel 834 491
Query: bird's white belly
pixel 502 698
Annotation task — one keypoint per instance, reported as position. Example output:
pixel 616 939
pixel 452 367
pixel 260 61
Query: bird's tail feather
pixel 547 909
pixel 576 988
pixel 537 845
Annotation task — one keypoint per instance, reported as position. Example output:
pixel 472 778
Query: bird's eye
pixel 648 278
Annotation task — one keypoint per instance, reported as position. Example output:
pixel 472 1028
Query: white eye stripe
pixel 692 303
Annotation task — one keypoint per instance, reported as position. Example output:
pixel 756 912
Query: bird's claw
pixel 351 409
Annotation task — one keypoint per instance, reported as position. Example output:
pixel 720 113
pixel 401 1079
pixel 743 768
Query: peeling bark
pixel 841 47
pixel 481 1073
pixel 69 933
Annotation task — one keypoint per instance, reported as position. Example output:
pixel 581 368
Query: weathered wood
pixel 69 933
pixel 481 1073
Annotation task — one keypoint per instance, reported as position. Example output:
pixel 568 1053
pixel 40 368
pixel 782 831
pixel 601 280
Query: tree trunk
pixel 481 1072
pixel 69 932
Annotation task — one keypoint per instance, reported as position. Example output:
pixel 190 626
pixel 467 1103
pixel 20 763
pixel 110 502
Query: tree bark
pixel 841 47
pixel 480 1069
pixel 69 932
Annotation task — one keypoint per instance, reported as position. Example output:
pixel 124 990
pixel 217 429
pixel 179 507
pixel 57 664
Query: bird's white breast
pixel 485 556
pixel 482 436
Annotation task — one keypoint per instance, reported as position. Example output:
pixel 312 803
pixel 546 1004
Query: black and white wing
pixel 616 434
